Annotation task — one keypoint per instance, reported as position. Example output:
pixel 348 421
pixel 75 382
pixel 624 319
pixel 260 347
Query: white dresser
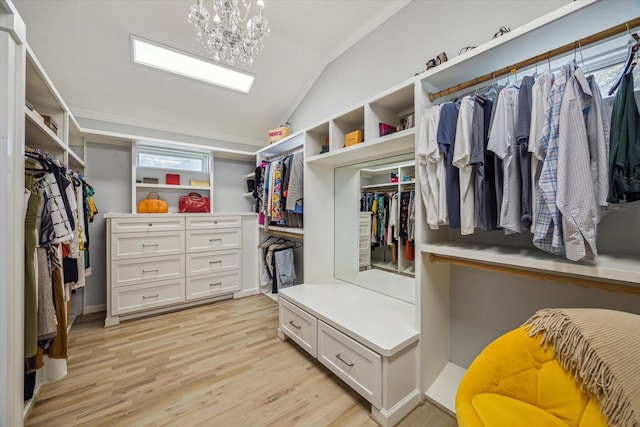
pixel 158 263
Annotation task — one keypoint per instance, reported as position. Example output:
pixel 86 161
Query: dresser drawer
pixel 133 271
pixel 299 325
pixel 155 223
pixel 128 299
pixel 364 231
pixel 213 284
pixel 207 240
pixel 208 222
pixel 355 364
pixel 140 245
pixel 212 262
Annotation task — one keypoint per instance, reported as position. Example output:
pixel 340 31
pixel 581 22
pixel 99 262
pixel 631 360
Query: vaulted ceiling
pixel 84 46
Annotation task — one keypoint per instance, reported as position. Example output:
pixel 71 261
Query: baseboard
pixel 245 293
pixel 95 308
pixel 391 417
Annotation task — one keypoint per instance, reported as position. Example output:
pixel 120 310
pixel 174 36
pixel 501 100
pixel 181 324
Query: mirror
pixel 373 246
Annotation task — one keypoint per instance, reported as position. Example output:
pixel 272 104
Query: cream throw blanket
pixel 601 348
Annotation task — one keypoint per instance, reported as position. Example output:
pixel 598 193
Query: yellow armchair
pixel 515 382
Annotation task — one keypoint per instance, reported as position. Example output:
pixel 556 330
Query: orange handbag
pixel 153 204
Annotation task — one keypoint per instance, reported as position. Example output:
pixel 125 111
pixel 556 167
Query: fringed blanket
pixel 601 348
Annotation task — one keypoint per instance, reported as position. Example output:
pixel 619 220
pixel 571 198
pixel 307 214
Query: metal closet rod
pixel 550 277
pixel 578 44
pixel 284 153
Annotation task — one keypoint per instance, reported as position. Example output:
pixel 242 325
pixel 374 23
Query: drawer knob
pixel 215 222
pixel 150 224
pixel 150 270
pixel 215 284
pixel 292 323
pixel 346 362
pixel 150 296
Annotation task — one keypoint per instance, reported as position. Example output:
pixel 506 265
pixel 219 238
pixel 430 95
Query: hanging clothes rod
pixel 284 153
pixel 578 44
pixel 550 277
pixel 285 234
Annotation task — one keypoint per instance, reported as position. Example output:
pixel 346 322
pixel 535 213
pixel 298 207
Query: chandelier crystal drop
pixel 231 35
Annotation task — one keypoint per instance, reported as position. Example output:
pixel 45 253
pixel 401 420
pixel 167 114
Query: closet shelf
pixel 174 187
pixel 74 160
pixel 620 268
pixel 389 145
pixel 248 195
pixel 443 390
pixel 38 135
pixel 292 230
pixel 249 175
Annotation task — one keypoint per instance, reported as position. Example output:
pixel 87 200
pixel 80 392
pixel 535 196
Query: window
pixel 148 156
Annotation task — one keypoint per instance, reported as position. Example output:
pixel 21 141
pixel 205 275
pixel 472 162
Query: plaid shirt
pixel 548 225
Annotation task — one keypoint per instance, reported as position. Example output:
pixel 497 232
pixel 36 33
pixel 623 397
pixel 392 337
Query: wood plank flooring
pixel 215 365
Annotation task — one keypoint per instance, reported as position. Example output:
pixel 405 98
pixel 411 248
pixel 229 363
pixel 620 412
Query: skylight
pixel 163 58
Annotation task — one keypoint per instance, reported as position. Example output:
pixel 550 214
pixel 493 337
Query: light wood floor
pixel 214 365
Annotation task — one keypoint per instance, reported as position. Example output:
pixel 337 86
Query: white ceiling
pixel 84 47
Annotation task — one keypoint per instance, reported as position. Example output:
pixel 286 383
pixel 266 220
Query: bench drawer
pixel 299 325
pixel 355 364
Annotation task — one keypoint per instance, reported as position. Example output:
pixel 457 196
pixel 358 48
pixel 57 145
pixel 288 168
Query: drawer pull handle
pixel 150 224
pixel 215 284
pixel 339 357
pixel 150 270
pixel 144 245
pixel 150 296
pixel 292 323
pixel 219 239
pixel 216 262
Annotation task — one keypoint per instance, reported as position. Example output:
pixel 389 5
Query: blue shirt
pixel 446 143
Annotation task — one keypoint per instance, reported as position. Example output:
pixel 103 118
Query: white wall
pixel 399 48
pixel 109 173
pixel 485 305
pixel 229 185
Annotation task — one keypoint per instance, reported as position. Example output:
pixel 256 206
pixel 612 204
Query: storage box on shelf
pixel 344 125
pixel 164 262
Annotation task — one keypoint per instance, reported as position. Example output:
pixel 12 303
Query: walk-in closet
pixel 365 213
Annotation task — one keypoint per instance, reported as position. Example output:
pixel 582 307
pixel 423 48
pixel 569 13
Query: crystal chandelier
pixel 231 35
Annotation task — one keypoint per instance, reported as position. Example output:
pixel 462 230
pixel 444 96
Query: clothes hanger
pixel 46 165
pixel 630 62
